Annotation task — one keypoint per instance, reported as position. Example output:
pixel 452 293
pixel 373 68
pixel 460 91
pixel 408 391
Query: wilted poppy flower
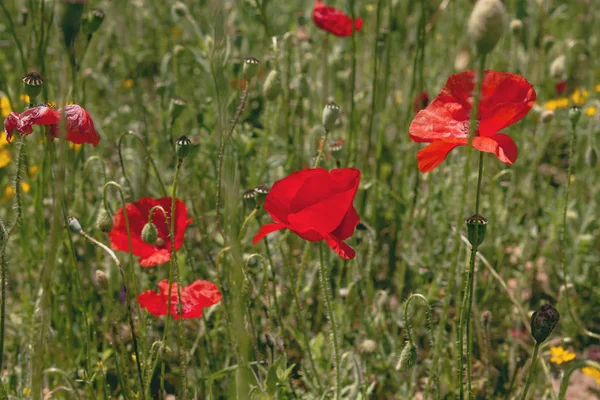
pixel 137 213
pixel 40 115
pixel 505 99
pixel 334 20
pixel 316 205
pixel 80 127
pixel 194 298
pixel 10 124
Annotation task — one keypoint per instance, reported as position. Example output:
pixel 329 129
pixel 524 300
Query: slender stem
pixel 15 36
pixel 352 145
pixel 564 384
pixel 246 221
pixel 320 153
pixel 329 306
pixel 531 370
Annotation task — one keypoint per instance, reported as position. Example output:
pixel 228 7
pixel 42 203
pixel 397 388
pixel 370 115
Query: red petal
pixel 341 248
pixel 41 115
pixel 334 20
pixel 156 258
pixel 501 145
pixel 346 227
pixel 10 124
pixel 266 229
pixel 432 155
pixel 80 127
pixel 198 295
pixel 153 302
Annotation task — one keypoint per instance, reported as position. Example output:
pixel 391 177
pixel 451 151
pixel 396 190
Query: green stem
pixel 320 153
pixel 351 142
pixel 531 370
pixel 329 306
pixel 564 384
pixel 15 36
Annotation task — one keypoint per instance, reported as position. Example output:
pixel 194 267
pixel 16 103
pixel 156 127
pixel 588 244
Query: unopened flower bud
pixel 93 21
pixel 250 198
pixel 476 227
pixel 547 116
pixel 558 66
pixel 516 26
pixel 101 279
pixel 183 145
pixel 70 22
pixel 24 15
pixel 104 221
pixel 543 322
pixel 408 358
pixel 176 107
pixel 74 225
pixel 591 156
pixel 330 114
pixel 150 233
pixel 260 194
pixel 33 84
pixel 272 87
pixel 574 115
pixel 368 346
pixel 179 9
pixel 250 68
pixel 486 24
pixel 486 317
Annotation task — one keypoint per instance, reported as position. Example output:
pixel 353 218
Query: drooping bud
pixel 183 145
pixel 516 26
pixel 150 233
pixel 176 107
pixel 260 194
pixel 272 87
pixel 476 227
pixel 330 114
pixel 74 225
pixel 547 116
pixel 250 68
pixel 408 357
pixel 104 221
pixel 486 24
pixel 543 322
pixel 93 21
pixel 33 84
pixel 250 198
pixel 591 156
pixel 574 115
pixel 101 279
pixel 70 21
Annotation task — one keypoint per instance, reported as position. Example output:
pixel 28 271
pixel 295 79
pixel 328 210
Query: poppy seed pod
pixel 574 115
pixel 176 107
pixel 250 68
pixel 70 21
pixel 486 24
pixel 183 145
pixel 250 198
pixel 591 156
pixel 24 15
pixel 543 322
pixel 74 225
pixel 408 358
pixel 149 233
pixel 476 226
pixel 101 279
pixel 33 84
pixel 272 87
pixel 93 21
pixel 330 114
pixel 260 194
pixel 104 221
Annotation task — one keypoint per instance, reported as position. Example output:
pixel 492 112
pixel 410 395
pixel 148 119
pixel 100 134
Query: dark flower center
pixel 465 128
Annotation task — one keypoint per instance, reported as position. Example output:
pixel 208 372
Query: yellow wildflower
pixel 561 102
pixel 9 191
pixel 75 147
pixel 4 157
pixel 560 355
pixel 398 96
pixel 175 31
pixel 579 96
pixel 33 170
pixel 27 392
pixel 370 8
pixel 590 111
pixel 5 107
pixel 597 87
pixel 25 98
pixel 593 372
pixel 128 84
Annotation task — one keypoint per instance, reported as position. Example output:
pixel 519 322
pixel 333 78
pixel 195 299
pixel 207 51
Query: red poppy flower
pixel 334 21
pixel 421 101
pixel 40 115
pixel 194 298
pixel 10 124
pixel 80 127
pixel 561 88
pixel 315 205
pixel 137 213
pixel 505 99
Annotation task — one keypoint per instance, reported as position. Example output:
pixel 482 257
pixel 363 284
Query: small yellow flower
pixel 24 98
pixel 33 170
pixel 27 392
pixel 370 8
pixel 175 31
pixel 5 107
pixel 560 355
pixel 590 111
pixel 128 84
pixel 75 147
pixel 133 357
pixel 597 87
pixel 9 191
pixel 561 102
pixel 579 96
pixel 4 157
pixel 398 97
pixel 593 372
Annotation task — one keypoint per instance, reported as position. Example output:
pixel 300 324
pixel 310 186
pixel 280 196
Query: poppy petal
pixel 201 294
pixel 501 145
pixel 153 302
pixel 266 229
pixel 346 227
pixel 80 126
pixel 340 247
pixel 334 21
pixel 41 115
pixel 156 258
pixel 10 124
pixel 431 156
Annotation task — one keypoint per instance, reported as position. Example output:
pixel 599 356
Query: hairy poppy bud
pixel 104 221
pixel 33 84
pixel 574 115
pixel 330 114
pixel 408 358
pixel 250 198
pixel 101 279
pixel 547 116
pixel 486 24
pixel 260 194
pixel 150 233
pixel 543 322
pixel 591 156
pixel 176 107
pixel 250 68
pixel 558 66
pixel 70 21
pixel 74 225
pixel 179 9
pixel 93 21
pixel 272 87
pixel 516 26
pixel 368 346
pixel 476 226
pixel 183 146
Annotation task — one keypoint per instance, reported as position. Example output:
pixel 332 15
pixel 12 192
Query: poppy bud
pixel 101 279
pixel 250 198
pixel 93 21
pixel 486 317
pixel 183 145
pixel 150 233
pixel 179 9
pixel 24 15
pixel 33 84
pixel 104 221
pixel 161 88
pixel 272 87
pixel 486 24
pixel 70 21
pixel 558 66
pixel 368 346
pixel 408 358
pixel 250 68
pixel 516 26
pixel 474 226
pixel 547 116
pixel 543 322
pixel 330 114
pixel 74 225
pixel 176 107
pixel 574 115
pixel 591 156
pixel 260 194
